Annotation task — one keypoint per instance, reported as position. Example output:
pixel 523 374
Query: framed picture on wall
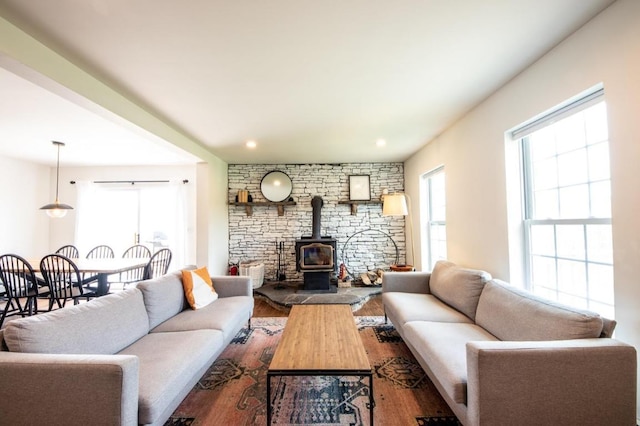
pixel 359 188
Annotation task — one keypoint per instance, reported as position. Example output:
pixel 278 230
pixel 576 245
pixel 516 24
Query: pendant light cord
pixel 57 172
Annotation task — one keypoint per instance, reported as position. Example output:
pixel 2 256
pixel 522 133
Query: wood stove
pixel 316 255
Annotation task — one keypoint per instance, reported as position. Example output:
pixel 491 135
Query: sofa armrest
pixel 64 389
pixel 406 282
pixel 581 381
pixel 232 285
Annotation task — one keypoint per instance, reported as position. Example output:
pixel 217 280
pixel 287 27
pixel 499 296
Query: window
pixel 567 206
pixel 435 230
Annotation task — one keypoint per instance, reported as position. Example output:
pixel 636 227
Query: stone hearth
pixel 284 295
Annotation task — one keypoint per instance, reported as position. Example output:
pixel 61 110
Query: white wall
pixel 24 189
pixel 217 232
pixel 605 50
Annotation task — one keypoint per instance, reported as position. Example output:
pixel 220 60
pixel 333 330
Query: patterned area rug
pixel 233 390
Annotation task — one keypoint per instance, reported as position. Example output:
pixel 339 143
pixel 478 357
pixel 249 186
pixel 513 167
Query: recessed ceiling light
pixel 251 144
pixel 381 142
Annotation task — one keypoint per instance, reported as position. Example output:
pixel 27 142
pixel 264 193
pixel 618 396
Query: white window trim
pixel 575 105
pixel 426 230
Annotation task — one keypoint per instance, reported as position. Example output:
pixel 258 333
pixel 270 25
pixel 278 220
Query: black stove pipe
pixel 316 203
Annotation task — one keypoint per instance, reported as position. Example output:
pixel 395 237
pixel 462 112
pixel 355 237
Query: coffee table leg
pixel 371 400
pixel 268 399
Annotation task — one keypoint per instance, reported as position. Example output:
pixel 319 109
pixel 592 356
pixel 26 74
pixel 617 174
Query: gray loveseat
pixel 501 356
pixel 123 359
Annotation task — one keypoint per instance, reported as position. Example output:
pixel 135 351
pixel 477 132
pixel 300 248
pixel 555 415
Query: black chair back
pixel 134 275
pixel 158 264
pixel 137 251
pixel 100 252
pixel 20 286
pixel 69 251
pixel 63 278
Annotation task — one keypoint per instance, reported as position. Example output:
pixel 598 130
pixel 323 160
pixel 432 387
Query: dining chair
pixel 158 264
pixel 98 252
pixel 134 275
pixel 63 279
pixel 20 287
pixel 69 251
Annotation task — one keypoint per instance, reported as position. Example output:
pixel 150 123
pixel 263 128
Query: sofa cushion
pixel 405 307
pixel 104 325
pixel 170 365
pixel 458 287
pixel 608 325
pixel 198 288
pixel 442 348
pixel 163 297
pixel 513 314
pixel 227 314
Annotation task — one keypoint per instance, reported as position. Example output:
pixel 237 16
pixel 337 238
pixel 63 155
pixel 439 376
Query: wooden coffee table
pixel 320 340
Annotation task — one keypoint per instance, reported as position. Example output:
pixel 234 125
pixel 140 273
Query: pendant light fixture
pixel 57 209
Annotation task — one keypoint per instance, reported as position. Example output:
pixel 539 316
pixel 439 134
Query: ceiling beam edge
pixel 30 59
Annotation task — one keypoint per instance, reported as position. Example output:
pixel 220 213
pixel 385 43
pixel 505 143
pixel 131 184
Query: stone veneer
pixel 256 237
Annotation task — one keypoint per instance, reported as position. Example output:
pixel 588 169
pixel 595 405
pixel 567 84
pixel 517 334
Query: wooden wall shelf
pixel 355 203
pixel 248 207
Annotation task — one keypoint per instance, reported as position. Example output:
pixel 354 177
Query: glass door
pixel 126 215
pixel 118 212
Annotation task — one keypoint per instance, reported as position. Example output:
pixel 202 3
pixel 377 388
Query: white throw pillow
pixel 198 288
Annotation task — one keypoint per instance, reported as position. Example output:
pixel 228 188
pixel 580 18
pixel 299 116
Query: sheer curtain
pixel 114 214
pixel 172 201
pixel 86 218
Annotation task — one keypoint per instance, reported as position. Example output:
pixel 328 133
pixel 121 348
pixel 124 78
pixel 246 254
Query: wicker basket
pixel 254 270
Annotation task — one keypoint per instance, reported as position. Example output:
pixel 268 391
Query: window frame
pixel 522 136
pixel 427 180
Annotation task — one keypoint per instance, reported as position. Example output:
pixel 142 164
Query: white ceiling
pixel 310 81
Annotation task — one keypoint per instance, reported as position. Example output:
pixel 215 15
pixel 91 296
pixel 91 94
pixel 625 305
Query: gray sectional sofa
pixel 123 359
pixel 501 356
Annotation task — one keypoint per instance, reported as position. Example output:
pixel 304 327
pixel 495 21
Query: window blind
pixel 572 106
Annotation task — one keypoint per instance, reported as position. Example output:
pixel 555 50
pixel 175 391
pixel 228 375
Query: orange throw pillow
pixel 198 288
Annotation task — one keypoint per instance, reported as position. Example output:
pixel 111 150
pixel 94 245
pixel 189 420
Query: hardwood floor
pixel 373 307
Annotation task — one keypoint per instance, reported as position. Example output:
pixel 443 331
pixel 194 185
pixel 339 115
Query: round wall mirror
pixel 276 186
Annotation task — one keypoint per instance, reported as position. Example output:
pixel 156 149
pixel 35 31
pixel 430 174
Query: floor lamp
pixel 398 204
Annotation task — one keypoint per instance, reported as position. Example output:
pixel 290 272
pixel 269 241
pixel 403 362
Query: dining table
pixel 102 268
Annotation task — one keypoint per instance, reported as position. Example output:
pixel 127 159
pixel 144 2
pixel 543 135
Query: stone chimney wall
pixel 365 241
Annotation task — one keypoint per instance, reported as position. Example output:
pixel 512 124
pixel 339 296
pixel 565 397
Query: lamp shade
pixel 395 205
pixel 57 209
